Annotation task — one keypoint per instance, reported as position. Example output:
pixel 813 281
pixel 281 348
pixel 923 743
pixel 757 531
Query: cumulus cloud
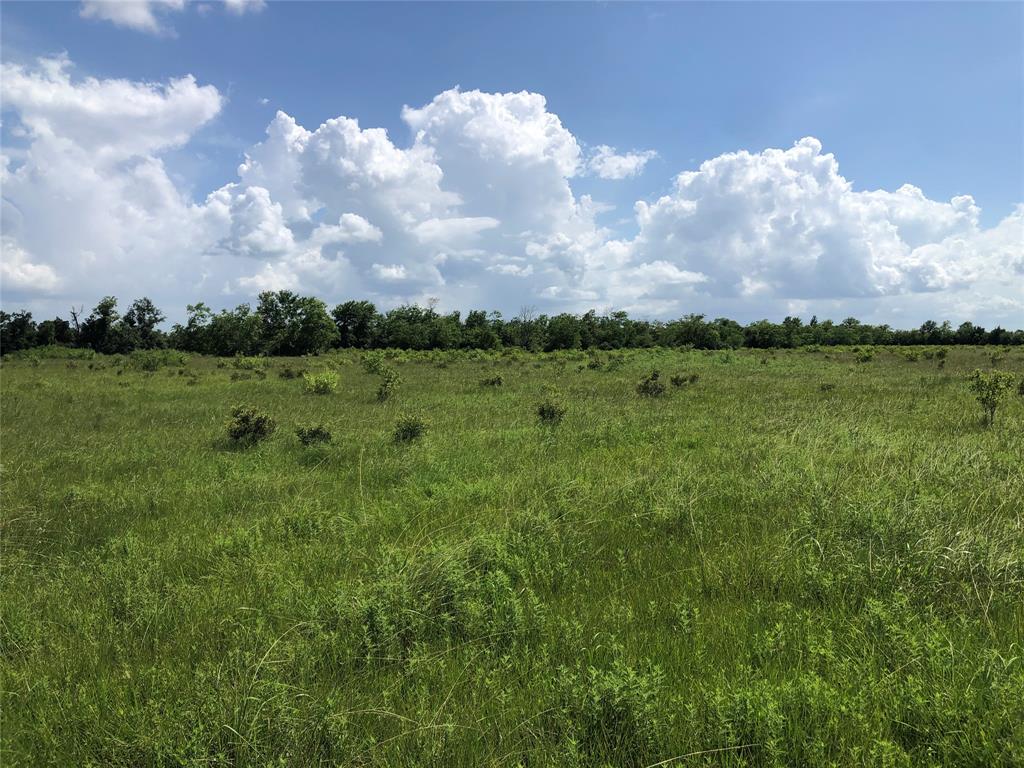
pixel 606 163
pixel 786 224
pixel 19 272
pixel 477 208
pixel 146 15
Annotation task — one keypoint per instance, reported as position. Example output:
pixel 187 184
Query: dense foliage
pixel 284 323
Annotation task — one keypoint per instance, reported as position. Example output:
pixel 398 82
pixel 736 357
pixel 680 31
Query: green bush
pixel 389 381
pixel 492 381
pixel 651 385
pixel 550 411
pixel 313 435
pixel 288 372
pixel 325 383
pixel 409 428
pixel 249 425
pixel 248 363
pixel 989 390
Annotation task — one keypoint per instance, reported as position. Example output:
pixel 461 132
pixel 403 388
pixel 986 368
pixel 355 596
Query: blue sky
pixel 922 94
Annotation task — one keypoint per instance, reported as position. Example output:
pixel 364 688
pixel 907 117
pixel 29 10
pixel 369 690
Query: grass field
pixel 797 559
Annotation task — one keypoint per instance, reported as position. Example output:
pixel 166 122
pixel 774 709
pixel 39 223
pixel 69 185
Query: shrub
pixel 1020 388
pixel 682 379
pixel 492 381
pixel 864 355
pixel 244 363
pixel 248 424
pixel 313 435
pixel 291 373
pixel 827 387
pixel 550 412
pixel 409 428
pixel 651 385
pixel 325 383
pixel 389 381
pixel 373 362
pixel 911 355
pixel 989 389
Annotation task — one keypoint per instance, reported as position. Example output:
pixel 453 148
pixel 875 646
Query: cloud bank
pixel 476 208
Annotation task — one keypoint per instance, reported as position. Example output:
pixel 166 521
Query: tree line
pixel 285 323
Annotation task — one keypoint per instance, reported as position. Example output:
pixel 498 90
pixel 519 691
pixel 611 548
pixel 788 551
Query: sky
pixel 748 160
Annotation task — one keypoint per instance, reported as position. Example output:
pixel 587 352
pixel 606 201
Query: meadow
pixel 809 557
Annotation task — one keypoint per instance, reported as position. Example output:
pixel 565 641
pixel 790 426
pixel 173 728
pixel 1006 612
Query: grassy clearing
pixel 791 558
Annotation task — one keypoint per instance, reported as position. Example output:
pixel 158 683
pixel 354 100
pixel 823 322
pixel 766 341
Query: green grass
pixel 745 570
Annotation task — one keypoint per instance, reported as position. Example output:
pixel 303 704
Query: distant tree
pixel 103 330
pixel 294 325
pixel 356 322
pixel 143 318
pixel 17 331
pixel 563 333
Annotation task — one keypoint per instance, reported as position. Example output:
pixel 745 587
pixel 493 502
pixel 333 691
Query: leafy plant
pixel 389 381
pixel 288 372
pixel 325 383
pixel 989 390
pixel 651 385
pixel 864 355
pixel 409 428
pixel 682 379
pixel 249 425
pixel 492 381
pixel 313 434
pixel 550 411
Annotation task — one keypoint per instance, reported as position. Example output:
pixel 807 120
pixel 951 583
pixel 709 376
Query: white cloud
pixel 477 208
pixel 19 273
pixel 785 224
pixel 140 15
pixel 607 164
pixel 145 15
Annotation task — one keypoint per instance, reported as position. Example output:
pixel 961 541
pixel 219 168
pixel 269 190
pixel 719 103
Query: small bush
pixel 373 362
pixel 911 355
pixel 409 428
pixel 389 381
pixel 325 383
pixel 244 363
pixel 989 390
pixel 1020 388
pixel 651 385
pixel 292 373
pixel 313 435
pixel 249 424
pixel 865 355
pixel 492 381
pixel 550 412
pixel 828 386
pixel 682 379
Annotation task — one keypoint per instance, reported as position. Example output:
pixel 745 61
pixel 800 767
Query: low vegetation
pixel 802 560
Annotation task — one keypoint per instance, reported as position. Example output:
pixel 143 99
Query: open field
pixel 796 559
